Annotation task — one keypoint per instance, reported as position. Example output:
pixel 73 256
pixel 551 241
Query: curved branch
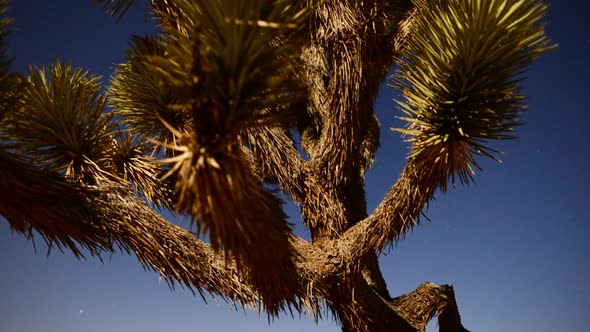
pixel 107 217
pixel 360 308
pixel 102 218
pixel 397 213
pixel 442 152
pixel 34 200
pixel 363 309
pixel 426 301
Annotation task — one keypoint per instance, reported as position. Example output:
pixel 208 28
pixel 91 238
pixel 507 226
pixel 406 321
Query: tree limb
pixel 102 218
pixel 107 217
pixel 426 301
pixel 397 213
pixel 349 57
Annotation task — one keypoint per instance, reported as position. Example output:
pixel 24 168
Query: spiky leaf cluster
pixel 221 67
pixel 138 95
pixel 460 79
pixel 61 124
pixel 230 62
pixel 132 159
pixel 57 121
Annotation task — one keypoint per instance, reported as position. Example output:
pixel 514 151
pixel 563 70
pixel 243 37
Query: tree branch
pixel 338 154
pixel 426 301
pixel 349 57
pixel 107 217
pixel 360 308
pixel 102 218
pixel 397 213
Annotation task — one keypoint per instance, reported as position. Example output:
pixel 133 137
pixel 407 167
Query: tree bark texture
pixel 351 50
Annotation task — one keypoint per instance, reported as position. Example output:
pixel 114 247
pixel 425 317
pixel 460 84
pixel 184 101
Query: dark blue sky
pixel 514 245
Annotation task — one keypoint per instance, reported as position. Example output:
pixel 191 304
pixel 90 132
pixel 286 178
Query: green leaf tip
pixel 460 78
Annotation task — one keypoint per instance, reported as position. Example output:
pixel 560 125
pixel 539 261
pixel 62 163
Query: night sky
pixel 514 245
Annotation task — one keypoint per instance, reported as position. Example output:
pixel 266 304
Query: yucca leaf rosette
pixel 460 77
pixel 131 158
pixel 60 124
pixel 138 96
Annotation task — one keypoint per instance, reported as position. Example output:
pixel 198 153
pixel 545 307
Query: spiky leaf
pixel 116 8
pixel 226 66
pixel 131 158
pixel 138 96
pixel 230 62
pixel 460 79
pixel 61 123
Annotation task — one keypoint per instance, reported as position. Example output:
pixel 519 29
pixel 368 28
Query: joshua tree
pixel 236 100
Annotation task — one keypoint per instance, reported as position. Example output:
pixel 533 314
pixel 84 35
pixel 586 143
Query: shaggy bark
pixel 110 217
pixel 337 59
pixel 343 67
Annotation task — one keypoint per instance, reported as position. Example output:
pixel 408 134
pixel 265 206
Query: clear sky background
pixel 515 245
